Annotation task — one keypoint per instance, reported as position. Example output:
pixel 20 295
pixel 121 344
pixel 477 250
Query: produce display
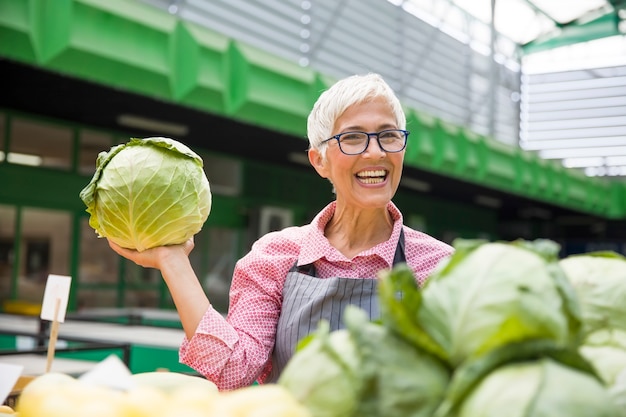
pixel 153 394
pixel 5 410
pixel 499 329
pixel 599 280
pixel 148 192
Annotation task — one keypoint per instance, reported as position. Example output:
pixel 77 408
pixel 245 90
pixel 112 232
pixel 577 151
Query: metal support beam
pixel 542 12
pixel 493 70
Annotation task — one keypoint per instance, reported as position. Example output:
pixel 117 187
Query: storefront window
pixel 40 144
pixel 44 250
pixel 142 286
pixel 7 252
pixel 91 144
pixel 223 173
pixel 141 298
pixel 97 270
pixel 215 264
pixel 100 282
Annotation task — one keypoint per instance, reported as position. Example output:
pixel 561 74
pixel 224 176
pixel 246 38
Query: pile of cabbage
pixel 148 192
pixel 499 329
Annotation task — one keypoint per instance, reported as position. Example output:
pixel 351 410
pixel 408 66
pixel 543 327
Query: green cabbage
pixel 365 371
pixel 398 379
pixel 148 192
pixel 606 351
pixel 484 296
pixel 599 279
pixel 322 374
pixel 542 388
pixel 617 391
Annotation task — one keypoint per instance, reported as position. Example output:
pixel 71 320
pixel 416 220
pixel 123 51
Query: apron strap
pixel 308 299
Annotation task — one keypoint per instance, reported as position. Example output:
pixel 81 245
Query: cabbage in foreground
pixel 606 351
pixel 599 279
pixel 494 294
pixel 398 379
pixel 537 389
pixel 147 193
pixel 323 373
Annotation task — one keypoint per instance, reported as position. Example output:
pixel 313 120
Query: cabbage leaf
pixel 398 379
pixel 494 294
pixel 322 374
pixel 537 389
pixel 599 279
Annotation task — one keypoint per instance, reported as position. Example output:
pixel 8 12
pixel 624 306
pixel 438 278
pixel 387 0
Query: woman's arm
pixel 183 284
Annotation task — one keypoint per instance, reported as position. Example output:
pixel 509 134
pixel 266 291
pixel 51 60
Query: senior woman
pixel 293 278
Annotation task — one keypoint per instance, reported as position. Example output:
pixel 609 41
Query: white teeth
pixel 378 173
pixel 372 177
pixel 371 180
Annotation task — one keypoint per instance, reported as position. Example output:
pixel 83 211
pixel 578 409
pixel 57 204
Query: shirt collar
pixel 315 245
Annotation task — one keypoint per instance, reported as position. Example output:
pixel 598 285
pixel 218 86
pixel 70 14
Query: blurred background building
pixel 517 113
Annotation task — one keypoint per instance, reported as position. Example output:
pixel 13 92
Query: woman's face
pixel 370 179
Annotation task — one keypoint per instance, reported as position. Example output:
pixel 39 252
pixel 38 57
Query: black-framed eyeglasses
pixel 355 143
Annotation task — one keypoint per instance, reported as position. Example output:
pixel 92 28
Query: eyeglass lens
pixel 353 143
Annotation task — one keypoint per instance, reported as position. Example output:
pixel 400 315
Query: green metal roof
pixel 590 25
pixel 140 49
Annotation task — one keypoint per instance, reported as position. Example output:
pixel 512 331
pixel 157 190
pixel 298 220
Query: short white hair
pixel 333 102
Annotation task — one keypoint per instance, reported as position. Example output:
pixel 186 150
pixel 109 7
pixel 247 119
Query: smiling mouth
pixel 372 177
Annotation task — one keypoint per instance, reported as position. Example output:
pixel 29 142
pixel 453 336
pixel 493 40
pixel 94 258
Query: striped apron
pixel 308 299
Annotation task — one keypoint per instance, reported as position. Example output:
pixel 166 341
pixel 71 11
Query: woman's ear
pixel 317 160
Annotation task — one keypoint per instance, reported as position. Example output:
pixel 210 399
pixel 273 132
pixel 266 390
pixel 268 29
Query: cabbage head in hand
pixel 147 193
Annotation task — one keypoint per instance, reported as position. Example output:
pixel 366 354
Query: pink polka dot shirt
pixel 235 351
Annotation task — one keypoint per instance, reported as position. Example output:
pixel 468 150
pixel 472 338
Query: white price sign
pixel 55 298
